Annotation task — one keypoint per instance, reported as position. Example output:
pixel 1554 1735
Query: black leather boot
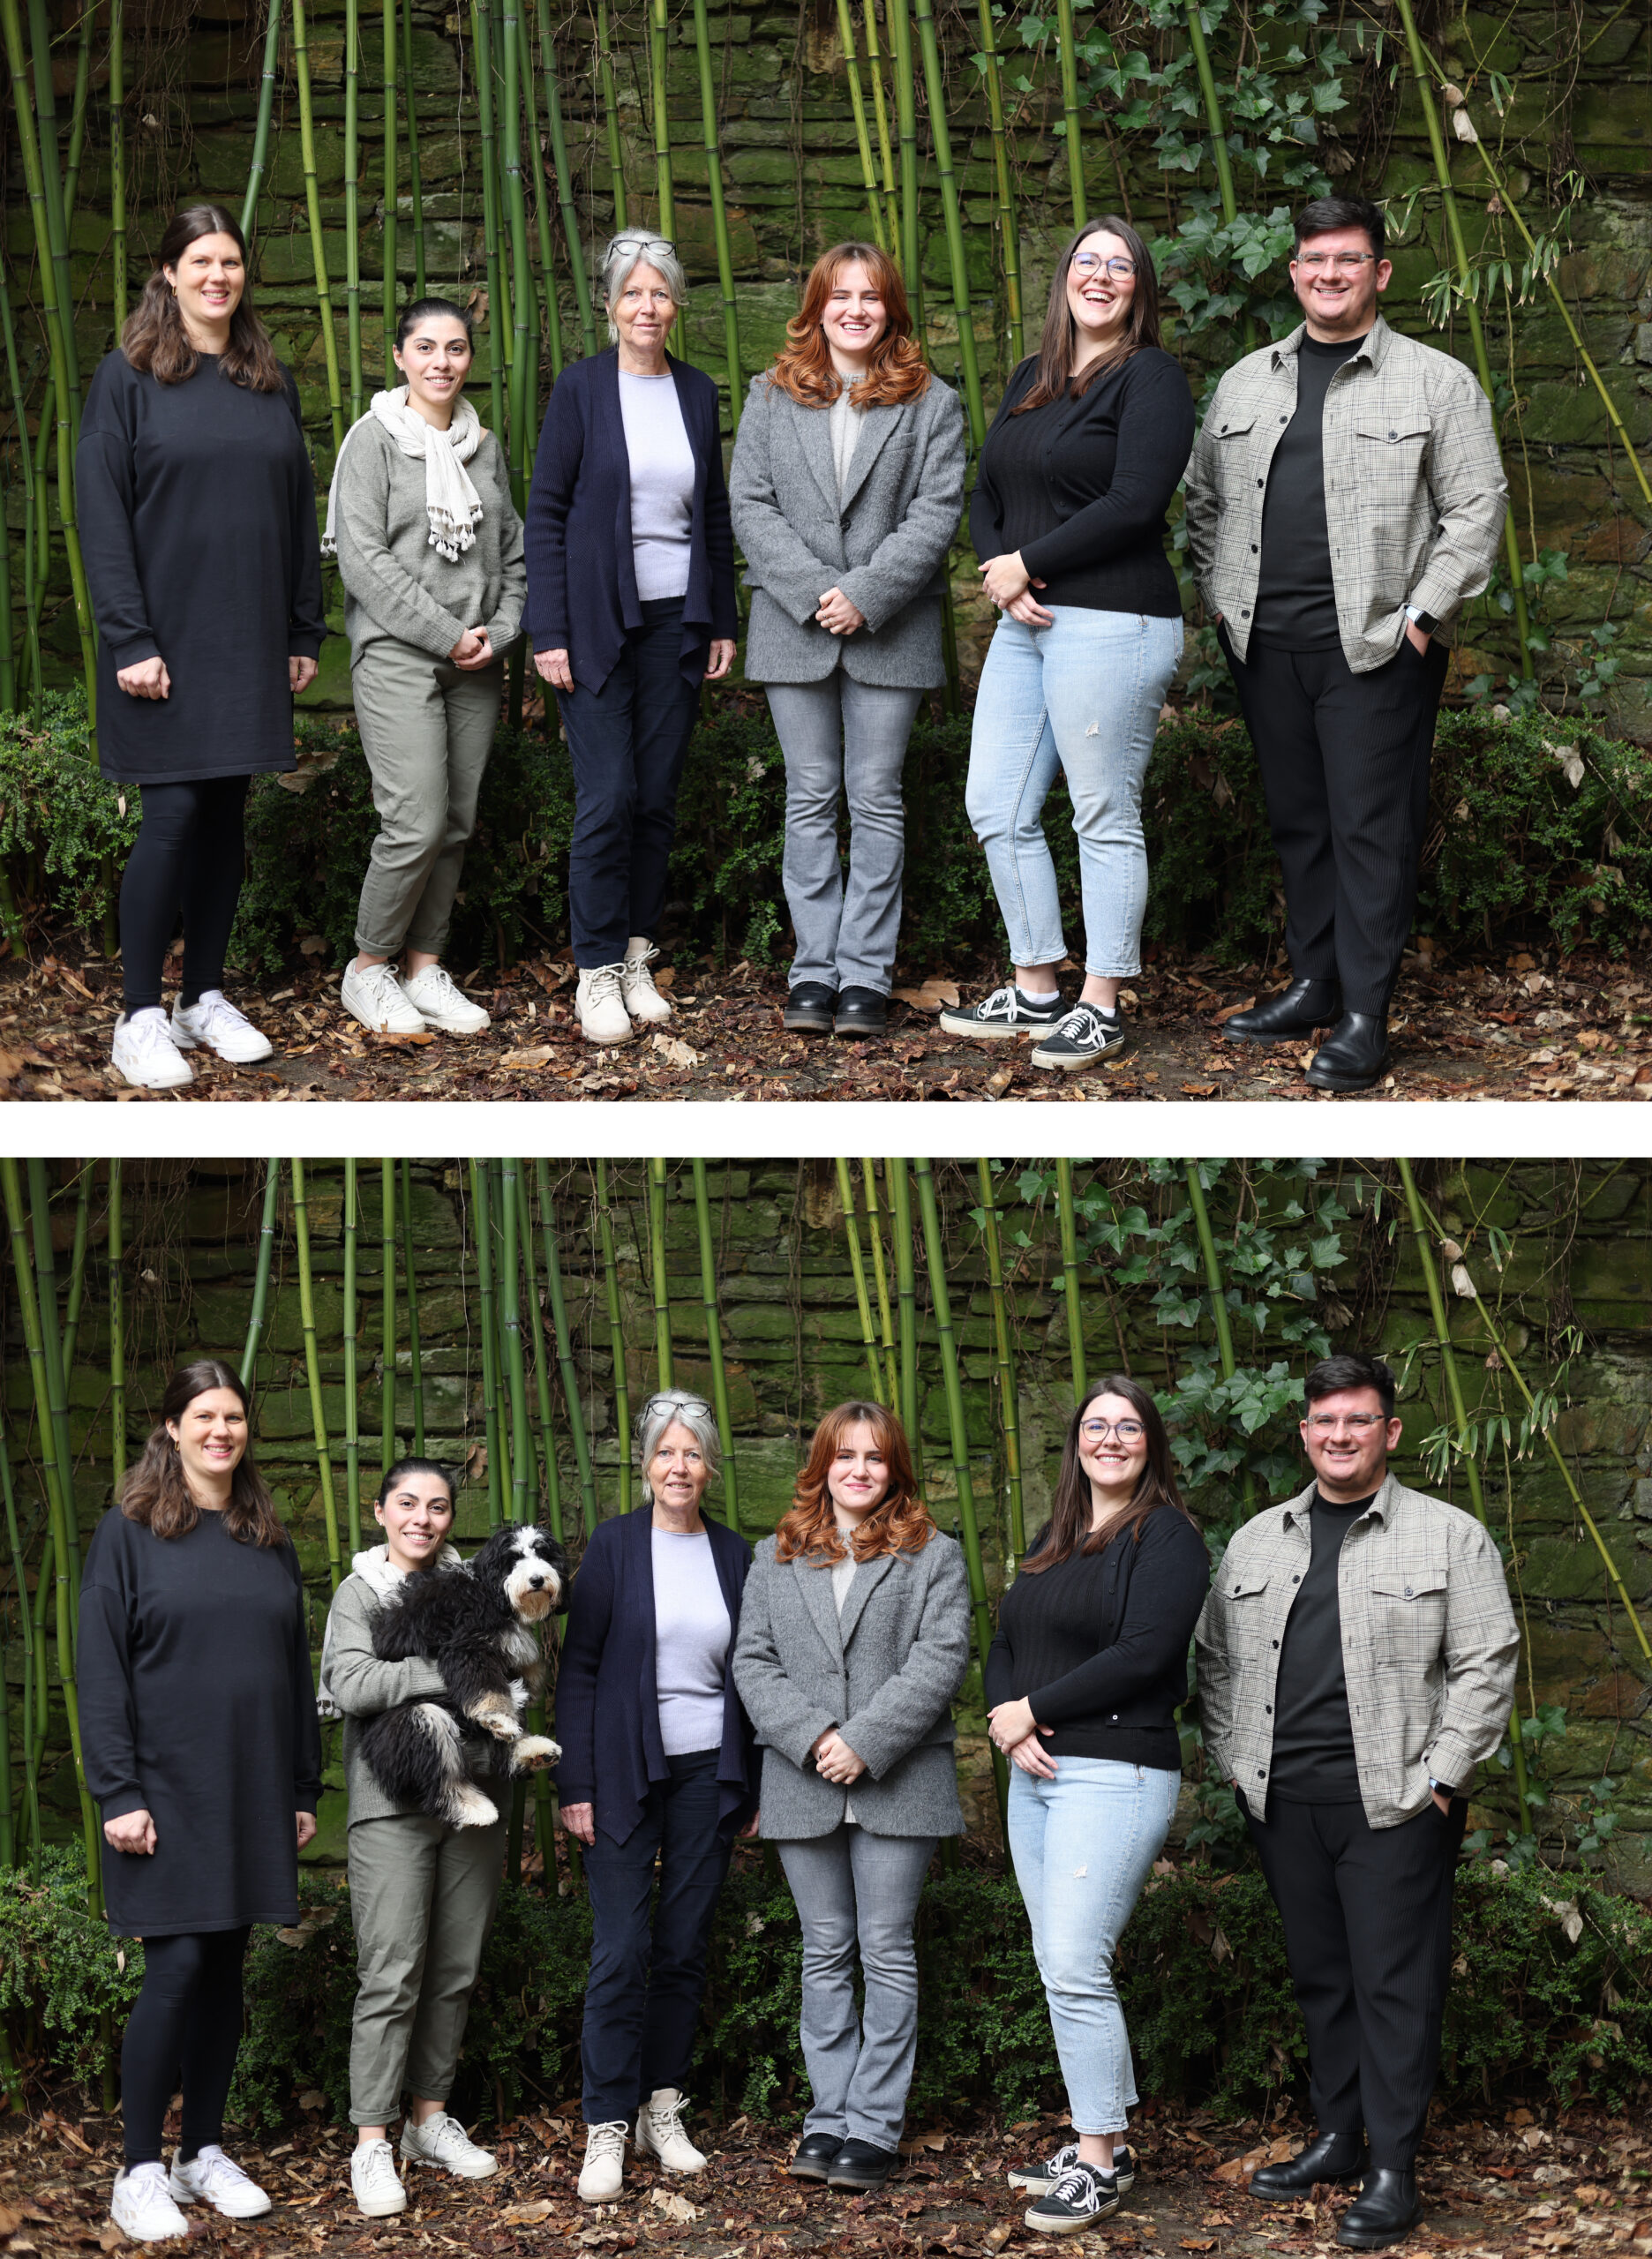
pixel 1385 2210
pixel 1305 1006
pixel 858 2164
pixel 811 2160
pixel 1327 2157
pixel 808 1008
pixel 1354 1054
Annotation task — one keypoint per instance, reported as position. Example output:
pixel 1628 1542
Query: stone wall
pixel 1582 1259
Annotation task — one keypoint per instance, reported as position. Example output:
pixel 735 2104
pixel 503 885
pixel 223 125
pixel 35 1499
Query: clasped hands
pixel 135 1832
pixel 1010 587
pixel 1015 1731
pixel 839 614
pixel 835 1760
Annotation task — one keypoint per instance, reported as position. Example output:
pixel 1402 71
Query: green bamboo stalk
pixel 312 206
pixel 714 1342
pixel 616 1334
pixel 534 1328
pixel 45 1589
pixel 1009 226
pixel 26 1626
pixel 1213 119
pixel 8 917
pixel 77 113
pixel 1069 1273
pixel 907 119
pixel 391 42
pixel 352 1367
pixel 720 210
pixel 857 105
pixel 56 1379
pixel 502 1362
pixel 118 159
pixel 857 1270
pixel 875 1230
pixel 117 1331
pixel 542 221
pixel 663 192
pixel 1067 53
pixel 656 1260
pixel 906 1295
pixel 25 464
pixel 8 1832
pixel 522 324
pixel 77 1267
pixel 611 117
pixel 886 147
pixel 387 1336
pixel 415 178
pixel 352 205
pixel 479 1202
pixel 1009 1395
pixel 1465 1449
pixel 510 1321
pixel 1217 1286
pixel 410 1281
pixel 481 43
pixel 266 103
pixel 934 87
pixel 565 182
pixel 307 1320
pixel 46 109
pixel 574 1408
pixel 265 1250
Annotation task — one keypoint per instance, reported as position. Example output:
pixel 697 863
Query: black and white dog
pixel 479 1630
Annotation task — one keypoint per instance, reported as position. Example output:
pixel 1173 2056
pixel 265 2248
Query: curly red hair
pixel 900 1523
pixel 804 370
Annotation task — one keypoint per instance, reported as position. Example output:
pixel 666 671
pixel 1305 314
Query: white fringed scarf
pixel 375 1568
pixel 451 502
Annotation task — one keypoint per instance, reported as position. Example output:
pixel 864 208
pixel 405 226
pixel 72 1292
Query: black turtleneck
pixel 1313 1735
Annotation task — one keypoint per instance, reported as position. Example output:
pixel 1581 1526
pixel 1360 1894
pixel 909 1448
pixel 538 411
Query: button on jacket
pixel 1415 490
pixel 1430 1646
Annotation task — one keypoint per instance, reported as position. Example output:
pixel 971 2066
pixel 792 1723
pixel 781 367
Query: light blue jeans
pixel 1082 1845
pixel 1082 695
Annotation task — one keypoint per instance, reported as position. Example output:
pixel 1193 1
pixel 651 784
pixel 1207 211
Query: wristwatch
pixel 1425 620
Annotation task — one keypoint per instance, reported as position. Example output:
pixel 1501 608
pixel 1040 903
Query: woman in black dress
pixel 199 1727
pixel 197 518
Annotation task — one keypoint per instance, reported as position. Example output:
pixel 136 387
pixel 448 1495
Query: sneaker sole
pixel 458 2172
pixel 608 1042
pixel 381 2211
pixel 1040 2184
pixel 453 1027
pixel 1078 1066
pixel 1004 1034
pixel 143 1082
pixel 195 1043
pixel 378 1027
pixel 1075 2226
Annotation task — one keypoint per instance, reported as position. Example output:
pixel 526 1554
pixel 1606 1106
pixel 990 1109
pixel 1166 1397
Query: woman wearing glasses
pixel 1082 1683
pixel 630 608
pixel 656 1769
pixel 1068 519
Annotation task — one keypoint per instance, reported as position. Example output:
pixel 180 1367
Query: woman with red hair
pixel 845 489
pixel 853 1639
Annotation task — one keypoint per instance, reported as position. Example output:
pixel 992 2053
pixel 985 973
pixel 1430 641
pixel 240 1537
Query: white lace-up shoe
pixel 599 1001
pixel 214 1020
pixel 441 1004
pixel 659 2132
pixel 144 1051
pixel 603 2174
pixel 211 2178
pixel 374 2181
pixel 142 2207
pixel 373 994
pixel 443 2140
pixel 642 1000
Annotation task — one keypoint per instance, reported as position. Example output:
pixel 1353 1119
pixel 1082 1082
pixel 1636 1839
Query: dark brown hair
pixel 895 373
pixel 155 1494
pixel 900 1523
pixel 154 339
pixel 1068 1530
pixel 1058 346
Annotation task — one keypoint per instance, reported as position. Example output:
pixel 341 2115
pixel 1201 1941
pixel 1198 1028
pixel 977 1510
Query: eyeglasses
pixel 642 243
pixel 1090 262
pixel 676 1402
pixel 1321 1423
pixel 1336 262
pixel 1095 1431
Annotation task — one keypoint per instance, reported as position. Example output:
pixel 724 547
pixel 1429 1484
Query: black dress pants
pixel 184 2026
pixel 1345 767
pixel 1367 1913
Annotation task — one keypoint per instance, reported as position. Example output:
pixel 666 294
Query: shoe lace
pixel 378 2161
pixel 1000 1004
pixel 216 2167
pixel 213 1009
pixel 667 2121
pixel 604 983
pixel 1077 2185
pixel 602 2139
pixel 148 1031
pixel 383 988
pixel 636 969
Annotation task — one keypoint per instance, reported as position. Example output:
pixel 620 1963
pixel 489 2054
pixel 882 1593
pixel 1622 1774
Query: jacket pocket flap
pixel 1233 426
pixel 1243 1584
pixel 1402 423
pixel 1408 1584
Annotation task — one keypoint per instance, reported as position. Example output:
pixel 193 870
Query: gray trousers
pixel 849 739
pixel 422 1899
pixel 427 731
pixel 853 1888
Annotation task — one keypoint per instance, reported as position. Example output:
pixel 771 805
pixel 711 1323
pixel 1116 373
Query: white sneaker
pixel 142 2208
pixel 211 2178
pixel 443 2140
pixel 441 1004
pixel 659 2132
pixel 373 994
pixel 599 1001
pixel 214 1020
pixel 145 1053
pixel 374 2181
pixel 604 2171
pixel 642 1000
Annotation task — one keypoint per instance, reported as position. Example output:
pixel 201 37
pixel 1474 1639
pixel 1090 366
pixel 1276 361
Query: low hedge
pixel 1537 833
pixel 1551 1995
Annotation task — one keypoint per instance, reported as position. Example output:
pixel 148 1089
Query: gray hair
pixel 631 249
pixel 676 1407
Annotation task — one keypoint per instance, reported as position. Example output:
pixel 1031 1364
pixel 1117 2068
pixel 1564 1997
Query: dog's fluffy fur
pixel 479 1629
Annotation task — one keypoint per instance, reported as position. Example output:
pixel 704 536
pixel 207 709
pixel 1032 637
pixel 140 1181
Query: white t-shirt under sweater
pixel 662 484
pixel 691 1642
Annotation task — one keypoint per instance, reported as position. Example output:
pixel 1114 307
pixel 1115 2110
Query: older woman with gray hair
pixel 664 1776
pixel 628 487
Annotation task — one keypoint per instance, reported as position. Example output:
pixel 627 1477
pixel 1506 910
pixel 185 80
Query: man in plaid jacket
pixel 1344 497
pixel 1356 1661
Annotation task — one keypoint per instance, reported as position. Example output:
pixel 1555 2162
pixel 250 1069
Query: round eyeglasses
pixel 1091 262
pixel 1096 1431
pixel 1333 262
pixel 676 1402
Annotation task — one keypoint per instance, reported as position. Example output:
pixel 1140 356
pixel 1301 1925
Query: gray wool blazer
pixel 883 545
pixel 884 1674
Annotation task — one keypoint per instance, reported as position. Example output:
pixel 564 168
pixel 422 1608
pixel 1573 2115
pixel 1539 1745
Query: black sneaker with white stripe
pixel 1036 2179
pixel 1007 1011
pixel 1083 2195
pixel 1085 1036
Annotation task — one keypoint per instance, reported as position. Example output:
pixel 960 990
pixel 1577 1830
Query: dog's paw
pixel 533 1753
pixel 495 1714
pixel 468 1807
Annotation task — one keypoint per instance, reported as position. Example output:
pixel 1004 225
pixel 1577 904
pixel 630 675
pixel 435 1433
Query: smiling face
pixel 678 1473
pixel 211 1438
pixel 435 359
pixel 415 1515
pixel 1337 280
pixel 857 1479
pixel 1348 1438
pixel 1101 290
pixel 1114 1463
pixel 643 313
pixel 855 317
pixel 208 280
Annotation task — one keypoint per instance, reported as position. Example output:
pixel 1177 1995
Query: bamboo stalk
pixel 906 1295
pixel 490 1386
pixel 387 1314
pixel 574 1407
pixel 77 1267
pixel 565 182
pixel 534 1327
pixel 26 463
pixel 907 119
pixel 57 1378
pixel 77 114
pixel 57 217
pixel 616 1335
pixel 26 1626
pixel 502 1363
pixel 657 1259
pixel 352 1372
pixel 1214 1282
pixel 117 1331
pixel 1070 1274
pixel 714 1342
pixel 510 1321
pixel 1009 1395
pixel 939 134
pixel 886 150
pixel 118 159
pixel 410 1277
pixel 886 1322
pixel 857 1272
pixel 521 272
pixel 611 117
pixel 265 1250
pixel 542 222
pixel 1067 54
pixel 312 206
pixel 45 1589
pixel 481 43
pixel 857 106
pixel 415 178
pixel 1009 226
pixel 352 205
pixel 390 40
pixel 260 135
pixel 719 209
pixel 313 1356
pixel 663 190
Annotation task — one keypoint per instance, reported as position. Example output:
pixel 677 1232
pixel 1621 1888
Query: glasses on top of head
pixel 1088 262
pixel 1336 262
pixel 1095 1431
pixel 676 1402
pixel 1325 1423
pixel 642 243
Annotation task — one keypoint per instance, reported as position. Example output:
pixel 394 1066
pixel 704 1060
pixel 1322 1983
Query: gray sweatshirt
pixel 396 585
pixel 361 1687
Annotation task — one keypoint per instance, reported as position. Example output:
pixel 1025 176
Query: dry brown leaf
pixel 525 2215
pixel 932 2140
pixel 538 1054
pixel 674 1051
pixel 12 1062
pixel 11 2221
pixel 934 996
pixel 1198 1090
pixel 998 1083
pixel 1228 1011
pixel 673 2206
pixel 109 2237
pixel 1198 2243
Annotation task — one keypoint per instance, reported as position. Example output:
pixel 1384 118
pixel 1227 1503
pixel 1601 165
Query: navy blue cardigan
pixel 580 508
pixel 607 1717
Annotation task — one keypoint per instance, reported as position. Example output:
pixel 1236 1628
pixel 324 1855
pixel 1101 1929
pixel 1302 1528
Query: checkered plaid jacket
pixel 1415 491
pixel 1430 1645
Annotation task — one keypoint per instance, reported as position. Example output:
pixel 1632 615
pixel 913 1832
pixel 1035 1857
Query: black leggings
pixel 184 2029
pixel 188 856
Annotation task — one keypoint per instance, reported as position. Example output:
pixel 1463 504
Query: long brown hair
pixel 895 373
pixel 900 1523
pixel 155 340
pixel 155 1494
pixel 1068 1530
pixel 1059 345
